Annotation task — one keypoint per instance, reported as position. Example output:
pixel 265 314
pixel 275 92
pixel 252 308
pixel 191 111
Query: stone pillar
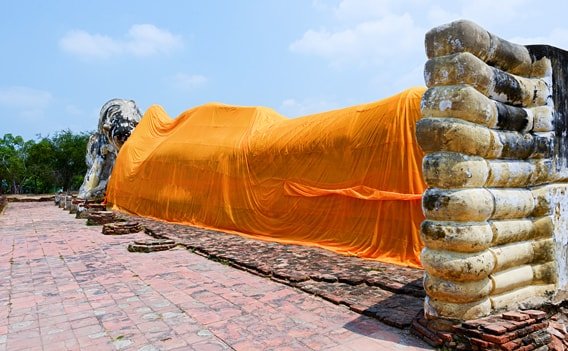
pixel 496 230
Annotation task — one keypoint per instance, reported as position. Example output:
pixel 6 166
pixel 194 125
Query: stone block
pixel 458 266
pixel 457 292
pixel 100 217
pixel 151 245
pixel 450 310
pixel 460 205
pixel 454 170
pixel 466 68
pixel 512 278
pixel 467 36
pixel 456 236
pixel 121 228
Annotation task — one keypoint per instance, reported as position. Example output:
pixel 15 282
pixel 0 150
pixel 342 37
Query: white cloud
pixel 187 81
pixel 370 41
pixel 142 40
pixel 294 108
pixel 85 45
pixel 382 32
pixel 147 39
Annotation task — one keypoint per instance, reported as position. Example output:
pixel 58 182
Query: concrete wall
pixel 494 131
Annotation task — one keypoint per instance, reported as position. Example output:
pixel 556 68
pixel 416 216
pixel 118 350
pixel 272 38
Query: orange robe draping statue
pixel 347 180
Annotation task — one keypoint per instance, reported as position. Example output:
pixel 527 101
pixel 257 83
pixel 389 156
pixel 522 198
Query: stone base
pixel 84 209
pixel 100 217
pixel 151 245
pixel 121 228
pixel 509 331
pixel 76 204
pixel 95 206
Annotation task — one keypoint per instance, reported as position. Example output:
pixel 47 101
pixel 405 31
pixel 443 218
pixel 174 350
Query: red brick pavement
pixel 65 286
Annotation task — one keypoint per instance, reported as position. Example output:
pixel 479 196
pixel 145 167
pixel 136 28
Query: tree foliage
pixel 42 166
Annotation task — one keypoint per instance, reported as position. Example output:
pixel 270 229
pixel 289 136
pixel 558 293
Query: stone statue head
pixel 117 120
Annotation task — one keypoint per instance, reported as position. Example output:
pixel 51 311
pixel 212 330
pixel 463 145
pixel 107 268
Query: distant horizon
pixel 64 60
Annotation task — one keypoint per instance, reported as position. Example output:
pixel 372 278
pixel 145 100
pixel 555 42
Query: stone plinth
pixel 121 228
pixel 100 217
pixel 151 245
pixel 85 208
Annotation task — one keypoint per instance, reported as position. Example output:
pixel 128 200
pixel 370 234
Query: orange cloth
pixel 347 180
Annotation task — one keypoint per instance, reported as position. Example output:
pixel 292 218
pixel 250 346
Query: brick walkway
pixel 392 294
pixel 65 286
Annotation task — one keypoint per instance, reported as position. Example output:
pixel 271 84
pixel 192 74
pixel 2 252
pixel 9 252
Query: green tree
pixel 40 163
pixel 12 163
pixel 69 163
pixel 51 163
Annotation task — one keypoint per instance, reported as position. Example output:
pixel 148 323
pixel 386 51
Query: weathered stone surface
pixel 458 266
pixel 505 232
pixel 543 118
pixel 466 36
pixel 455 135
pixel 494 132
pixel 558 195
pixel 558 59
pixel 481 204
pixel 545 273
pixel 518 253
pixel 459 101
pixel 512 278
pixel 532 295
pixel 463 311
pixel 510 173
pixel 457 292
pixel 95 206
pixel 117 120
pixel 466 103
pixel 100 217
pixel 151 245
pixel 512 203
pixel 456 236
pixel 67 202
pixel 460 205
pixel 121 228
pixel 511 255
pixel 454 170
pixel 515 330
pixel 465 68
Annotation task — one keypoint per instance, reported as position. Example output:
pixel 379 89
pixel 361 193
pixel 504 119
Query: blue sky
pixel 62 60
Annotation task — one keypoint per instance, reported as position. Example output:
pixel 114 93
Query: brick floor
pixel 392 294
pixel 65 286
